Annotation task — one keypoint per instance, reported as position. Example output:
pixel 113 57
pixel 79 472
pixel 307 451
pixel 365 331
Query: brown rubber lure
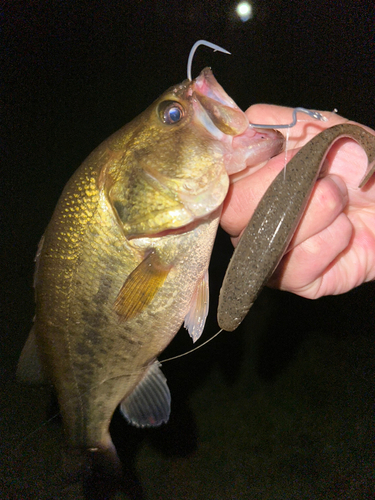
pixel 275 220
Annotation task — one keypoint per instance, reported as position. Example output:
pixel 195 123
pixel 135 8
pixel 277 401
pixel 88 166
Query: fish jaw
pixel 217 115
pixel 182 179
pixel 245 145
pixel 252 147
pixel 221 109
pixel 218 118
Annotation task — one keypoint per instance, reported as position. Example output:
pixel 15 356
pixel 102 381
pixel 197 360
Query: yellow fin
pixel 140 287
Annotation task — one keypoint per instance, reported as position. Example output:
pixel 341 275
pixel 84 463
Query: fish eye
pixel 171 112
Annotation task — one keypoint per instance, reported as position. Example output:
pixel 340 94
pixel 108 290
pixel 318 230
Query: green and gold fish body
pixel 104 336
pixel 124 260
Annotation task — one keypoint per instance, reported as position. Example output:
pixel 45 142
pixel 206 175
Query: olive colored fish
pixel 275 220
pixel 124 260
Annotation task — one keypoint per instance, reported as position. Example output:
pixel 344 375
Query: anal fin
pixel 149 405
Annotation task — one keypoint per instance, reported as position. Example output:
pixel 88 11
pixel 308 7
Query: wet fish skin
pixel 269 231
pixel 124 260
pixel 93 356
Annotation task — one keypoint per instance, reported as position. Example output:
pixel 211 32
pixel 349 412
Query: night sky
pixel 72 73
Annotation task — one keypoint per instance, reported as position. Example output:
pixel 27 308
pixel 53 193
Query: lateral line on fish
pixel 191 350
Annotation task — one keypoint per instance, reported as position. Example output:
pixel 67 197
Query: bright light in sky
pixel 244 11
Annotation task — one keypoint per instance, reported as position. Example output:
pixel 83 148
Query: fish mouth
pixel 217 114
pixel 225 121
pixel 214 108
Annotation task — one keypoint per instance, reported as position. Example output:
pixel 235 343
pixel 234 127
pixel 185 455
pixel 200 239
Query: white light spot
pixel 244 11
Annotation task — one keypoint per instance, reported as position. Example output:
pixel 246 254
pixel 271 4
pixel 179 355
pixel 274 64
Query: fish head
pixel 170 162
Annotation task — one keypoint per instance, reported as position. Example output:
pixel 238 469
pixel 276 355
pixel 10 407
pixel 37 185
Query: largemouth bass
pixel 124 259
pixel 275 220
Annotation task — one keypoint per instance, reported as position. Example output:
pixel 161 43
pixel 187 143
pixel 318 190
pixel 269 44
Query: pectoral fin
pixel 140 287
pixel 196 317
pixel 30 368
pixel 149 405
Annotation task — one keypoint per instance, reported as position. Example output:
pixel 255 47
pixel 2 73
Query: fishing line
pixel 314 114
pixel 286 151
pixel 192 350
pixel 26 438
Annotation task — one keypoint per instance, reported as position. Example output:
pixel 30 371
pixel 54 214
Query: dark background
pixel 281 408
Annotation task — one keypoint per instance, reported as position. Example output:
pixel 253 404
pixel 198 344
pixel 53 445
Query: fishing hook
pixel 313 114
pixel 194 48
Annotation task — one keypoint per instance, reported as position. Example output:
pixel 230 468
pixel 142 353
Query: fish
pixel 124 260
pixel 270 229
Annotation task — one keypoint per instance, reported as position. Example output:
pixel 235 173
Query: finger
pixel 244 195
pixel 302 269
pixel 328 200
pixel 269 114
pixel 241 201
pixel 305 128
pixel 349 160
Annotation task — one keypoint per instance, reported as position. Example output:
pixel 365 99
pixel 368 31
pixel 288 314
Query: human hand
pixel 333 249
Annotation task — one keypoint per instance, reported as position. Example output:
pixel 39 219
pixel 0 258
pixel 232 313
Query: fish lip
pixel 207 85
pixel 215 109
